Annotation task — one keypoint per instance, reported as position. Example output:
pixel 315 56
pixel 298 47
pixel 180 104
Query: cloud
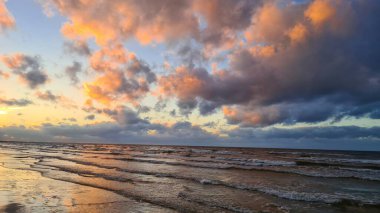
pixel 15 102
pixel 145 20
pixel 78 47
pixel 350 137
pixel 297 65
pixel 90 117
pixel 59 100
pixel 213 23
pixel 72 72
pixel 124 116
pixel 320 11
pixel 4 75
pixel 331 132
pixel 122 76
pixel 6 19
pixel 131 129
pixel 224 20
pixel 28 68
pixel 47 96
pixel 70 119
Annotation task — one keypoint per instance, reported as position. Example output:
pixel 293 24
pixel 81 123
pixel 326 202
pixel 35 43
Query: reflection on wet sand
pixel 27 191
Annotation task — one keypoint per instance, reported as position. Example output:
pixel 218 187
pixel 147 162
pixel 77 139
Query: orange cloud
pixel 110 58
pixel 103 88
pixel 13 61
pixel 110 21
pixel 113 86
pixel 298 33
pixel 4 75
pixel 263 51
pixel 6 19
pixel 183 84
pixel 234 115
pixel 319 12
pixel 267 24
pixel 248 117
pixel 122 76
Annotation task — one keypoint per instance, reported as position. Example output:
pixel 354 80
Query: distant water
pixel 211 179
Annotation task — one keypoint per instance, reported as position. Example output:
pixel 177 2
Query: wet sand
pixel 27 191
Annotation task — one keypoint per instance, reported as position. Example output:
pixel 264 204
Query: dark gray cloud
pixel 72 72
pixel 48 96
pixel 132 131
pixel 330 132
pixel 186 107
pixel 90 117
pixel 15 102
pixel 78 47
pixel 142 109
pixel 34 78
pixel 125 116
pixel 224 17
pixel 139 67
pixel 183 133
pixel 29 69
pixel 207 107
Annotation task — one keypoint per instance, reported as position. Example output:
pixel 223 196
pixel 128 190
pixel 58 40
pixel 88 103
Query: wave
pixel 344 160
pixel 277 192
pixel 219 162
pixel 211 204
pixel 308 162
pixel 305 154
pixel 257 162
pixel 330 173
pixel 272 166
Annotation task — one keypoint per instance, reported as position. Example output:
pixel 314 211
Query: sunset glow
pixel 234 73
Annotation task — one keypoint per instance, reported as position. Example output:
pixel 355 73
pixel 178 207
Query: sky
pixel 273 73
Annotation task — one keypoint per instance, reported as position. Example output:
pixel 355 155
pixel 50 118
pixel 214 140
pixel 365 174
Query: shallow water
pixel 135 178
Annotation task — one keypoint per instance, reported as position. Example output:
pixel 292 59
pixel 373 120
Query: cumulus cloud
pixel 6 19
pixel 122 76
pixel 28 68
pixel 306 57
pixel 282 56
pixel 145 20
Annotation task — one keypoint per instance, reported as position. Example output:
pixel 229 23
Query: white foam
pixel 343 160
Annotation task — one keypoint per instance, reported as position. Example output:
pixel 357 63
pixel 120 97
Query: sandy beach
pixel 47 177
pixel 27 191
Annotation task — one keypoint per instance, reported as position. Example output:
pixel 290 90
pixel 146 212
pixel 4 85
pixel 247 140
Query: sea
pixel 62 177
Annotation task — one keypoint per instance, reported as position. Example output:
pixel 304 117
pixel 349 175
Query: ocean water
pixel 142 178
